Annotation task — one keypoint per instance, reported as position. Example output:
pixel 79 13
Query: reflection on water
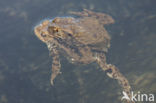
pixel 25 63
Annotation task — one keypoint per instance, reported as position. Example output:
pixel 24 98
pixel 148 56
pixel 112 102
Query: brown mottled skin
pixel 82 40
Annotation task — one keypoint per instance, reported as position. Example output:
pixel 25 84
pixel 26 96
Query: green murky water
pixel 25 65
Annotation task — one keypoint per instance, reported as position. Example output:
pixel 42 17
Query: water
pixel 25 65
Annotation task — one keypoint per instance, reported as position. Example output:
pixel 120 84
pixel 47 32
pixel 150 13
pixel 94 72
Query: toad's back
pixel 86 30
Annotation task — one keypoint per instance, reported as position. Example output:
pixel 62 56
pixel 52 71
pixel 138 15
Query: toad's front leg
pixel 55 65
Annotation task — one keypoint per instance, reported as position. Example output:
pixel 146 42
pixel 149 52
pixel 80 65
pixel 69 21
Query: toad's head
pixel 47 31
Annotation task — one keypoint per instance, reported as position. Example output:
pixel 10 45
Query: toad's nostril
pixel 43 35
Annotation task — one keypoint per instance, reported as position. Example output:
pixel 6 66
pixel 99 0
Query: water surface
pixel 25 65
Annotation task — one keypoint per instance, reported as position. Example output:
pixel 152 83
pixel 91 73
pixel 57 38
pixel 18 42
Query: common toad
pixel 82 40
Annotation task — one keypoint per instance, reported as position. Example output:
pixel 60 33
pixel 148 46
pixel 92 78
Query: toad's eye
pixel 55 30
pixel 43 35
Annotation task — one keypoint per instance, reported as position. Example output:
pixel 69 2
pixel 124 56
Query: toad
pixel 81 40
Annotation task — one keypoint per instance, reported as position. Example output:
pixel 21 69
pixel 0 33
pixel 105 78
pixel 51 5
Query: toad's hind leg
pixel 83 13
pixel 55 65
pixel 114 73
pixel 102 17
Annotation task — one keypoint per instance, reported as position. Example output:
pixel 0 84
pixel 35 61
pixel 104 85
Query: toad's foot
pixel 55 68
pixel 56 62
pixel 53 76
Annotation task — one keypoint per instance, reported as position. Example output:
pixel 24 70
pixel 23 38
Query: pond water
pixel 25 65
